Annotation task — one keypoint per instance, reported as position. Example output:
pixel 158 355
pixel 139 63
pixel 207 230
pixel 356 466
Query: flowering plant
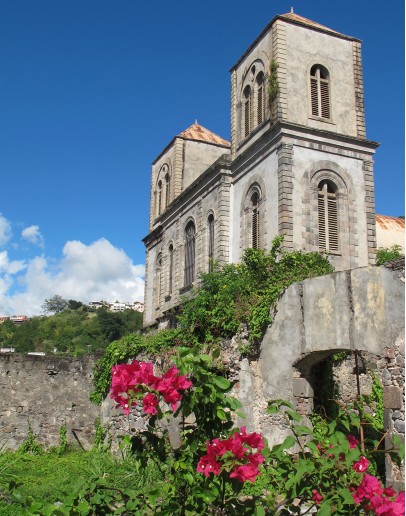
pixel 234 454
pixel 130 382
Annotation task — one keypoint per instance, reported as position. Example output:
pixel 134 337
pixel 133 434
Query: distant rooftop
pixel 199 133
pixel 390 231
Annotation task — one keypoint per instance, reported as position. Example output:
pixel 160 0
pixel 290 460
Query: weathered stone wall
pixel 46 392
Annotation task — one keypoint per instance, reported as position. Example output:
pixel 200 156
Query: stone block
pixel 302 388
pixel 392 397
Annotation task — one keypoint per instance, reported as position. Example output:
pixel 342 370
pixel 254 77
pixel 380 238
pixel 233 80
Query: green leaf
pixel 325 509
pixel 221 382
pixel 259 511
pixel 293 415
pixel 221 414
pixel 346 496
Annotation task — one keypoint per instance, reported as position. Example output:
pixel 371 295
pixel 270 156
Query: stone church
pixel 298 164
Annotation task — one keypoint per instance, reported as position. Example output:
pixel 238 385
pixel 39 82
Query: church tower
pixel 299 165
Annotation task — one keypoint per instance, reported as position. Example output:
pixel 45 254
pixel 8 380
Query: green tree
pixel 74 305
pixel 55 304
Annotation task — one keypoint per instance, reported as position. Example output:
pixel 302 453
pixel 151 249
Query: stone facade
pixel 268 181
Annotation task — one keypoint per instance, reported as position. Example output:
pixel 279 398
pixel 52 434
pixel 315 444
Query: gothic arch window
pixel 158 280
pixel 328 216
pixel 320 92
pixel 210 224
pixel 190 245
pixel 163 190
pixel 170 271
pixel 247 111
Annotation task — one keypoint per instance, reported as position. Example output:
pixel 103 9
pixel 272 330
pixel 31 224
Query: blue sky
pixel 90 93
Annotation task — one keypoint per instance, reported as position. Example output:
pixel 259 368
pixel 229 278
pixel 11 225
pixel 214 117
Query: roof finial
pixel 291 9
pixel 196 121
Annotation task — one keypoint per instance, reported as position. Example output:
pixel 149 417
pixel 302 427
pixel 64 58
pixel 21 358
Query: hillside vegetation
pixel 74 332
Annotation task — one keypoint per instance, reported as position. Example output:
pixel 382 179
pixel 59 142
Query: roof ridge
pixel 200 133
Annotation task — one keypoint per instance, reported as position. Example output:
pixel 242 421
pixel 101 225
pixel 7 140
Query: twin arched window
pixel 320 92
pixel 190 232
pixel 328 216
pixel 253 100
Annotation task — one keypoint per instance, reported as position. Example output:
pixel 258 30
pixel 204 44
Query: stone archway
pixel 361 309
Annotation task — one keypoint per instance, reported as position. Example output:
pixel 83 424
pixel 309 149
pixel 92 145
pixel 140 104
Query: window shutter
pixel 255 228
pixel 332 224
pixel 260 106
pixel 314 96
pixel 322 223
pixel 247 117
pixel 211 242
pixel 170 270
pixel 325 99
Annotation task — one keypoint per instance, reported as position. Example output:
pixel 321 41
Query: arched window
pixel 255 240
pixel 167 190
pixel 210 223
pixel 247 111
pixel 190 232
pixel 170 279
pixel 260 98
pixel 320 91
pixel 328 219
pixel 158 280
pixel 159 197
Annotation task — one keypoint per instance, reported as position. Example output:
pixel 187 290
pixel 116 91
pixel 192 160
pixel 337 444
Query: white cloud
pixel 85 273
pixel 5 230
pixel 33 235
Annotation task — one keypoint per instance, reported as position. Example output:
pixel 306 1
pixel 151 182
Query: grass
pixel 52 476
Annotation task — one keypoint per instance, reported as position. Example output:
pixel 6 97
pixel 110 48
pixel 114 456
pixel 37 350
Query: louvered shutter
pixel 260 106
pixel 322 222
pixel 332 224
pixel 255 228
pixel 314 96
pixel 211 242
pixel 324 98
pixel 247 117
pixel 170 285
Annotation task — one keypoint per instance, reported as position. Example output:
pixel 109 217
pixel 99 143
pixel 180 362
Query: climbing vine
pixel 273 86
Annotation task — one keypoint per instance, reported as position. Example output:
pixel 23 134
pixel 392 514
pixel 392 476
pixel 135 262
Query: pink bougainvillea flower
pixel 150 402
pixel 256 458
pixel 370 486
pixel 246 472
pixel 254 440
pixel 389 492
pixel 353 441
pixel 361 465
pixel 217 447
pixel 316 496
pixel 208 464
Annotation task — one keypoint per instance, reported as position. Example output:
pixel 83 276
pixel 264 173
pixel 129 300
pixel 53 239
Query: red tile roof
pixel 305 21
pixel 201 134
pixel 394 223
